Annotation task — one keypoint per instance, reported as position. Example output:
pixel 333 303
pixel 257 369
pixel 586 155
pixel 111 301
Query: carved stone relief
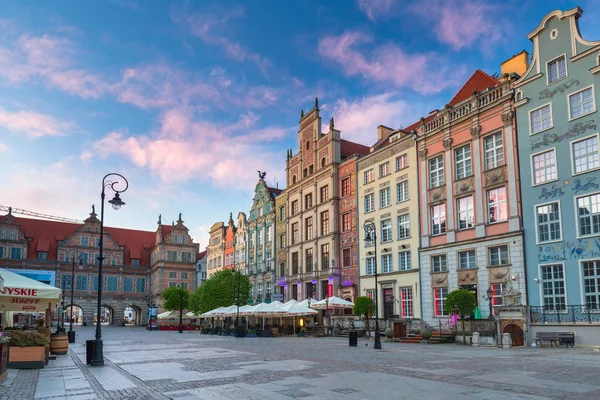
pixel 467 277
pixel 437 194
pixel 423 153
pixel 463 186
pixel 439 279
pixel 447 143
pixel 498 274
pixel 508 118
pixel 495 176
pixel 475 132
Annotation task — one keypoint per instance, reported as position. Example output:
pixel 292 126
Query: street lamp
pixel 490 294
pixel 371 237
pixel 97 356
pixel 71 332
pixel 180 287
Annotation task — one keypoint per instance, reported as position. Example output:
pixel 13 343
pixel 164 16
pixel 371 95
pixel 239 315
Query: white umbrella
pixel 332 303
pixel 300 309
pixel 212 313
pixel 171 315
pixel 287 305
pixel 23 294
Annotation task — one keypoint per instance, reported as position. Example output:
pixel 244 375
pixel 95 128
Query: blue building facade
pixel 559 157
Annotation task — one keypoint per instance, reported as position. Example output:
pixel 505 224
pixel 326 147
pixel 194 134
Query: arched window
pixel 519 95
pixel 308 145
pixel 294 179
pixel 323 161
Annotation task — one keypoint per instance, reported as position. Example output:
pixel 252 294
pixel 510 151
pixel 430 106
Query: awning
pixel 25 295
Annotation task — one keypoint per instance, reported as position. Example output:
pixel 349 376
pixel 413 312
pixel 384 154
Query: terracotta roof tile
pixel 477 82
pixel 350 148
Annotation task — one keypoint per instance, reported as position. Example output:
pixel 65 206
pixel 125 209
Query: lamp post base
pixel 377 344
pixel 71 335
pixel 97 359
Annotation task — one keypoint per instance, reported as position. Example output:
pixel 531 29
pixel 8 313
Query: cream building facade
pixel 215 248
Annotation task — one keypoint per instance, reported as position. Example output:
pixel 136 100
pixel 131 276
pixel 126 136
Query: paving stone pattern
pixel 168 365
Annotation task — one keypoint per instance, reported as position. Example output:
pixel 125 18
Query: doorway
pixel 516 335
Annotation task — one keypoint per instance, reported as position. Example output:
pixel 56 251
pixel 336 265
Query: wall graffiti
pixel 576 130
pixel 549 93
pixel 579 249
pixel 580 187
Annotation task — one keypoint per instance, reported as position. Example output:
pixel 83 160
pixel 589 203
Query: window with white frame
pixel 498 255
pixel 384 169
pixel 553 287
pixel 438 219
pixel 406 301
pixel 259 289
pixel 369 202
pixel 557 69
pixel 548 222
pixel 585 154
pixel 438 263
pixel 369 176
pixel 581 103
pixel 403 226
pixel 268 234
pixel 544 167
pixel 541 119
pixel 497 290
pixel 462 160
pixel 401 162
pixel 259 237
pixel 404 261
pixel 370 266
pixel 591 284
pixel 371 293
pixel 497 208
pixel 466 259
pixel 439 298
pixel 402 191
pixel 465 213
pixel 494 151
pixel 385 197
pixel 386 263
pixel 436 171
pixel 588 215
pixel 386 231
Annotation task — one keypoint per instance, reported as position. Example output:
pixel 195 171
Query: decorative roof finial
pixel 9 210
pixel 316 102
pixel 331 124
pixel 159 219
pixel 180 221
pixel 301 114
pixel 93 209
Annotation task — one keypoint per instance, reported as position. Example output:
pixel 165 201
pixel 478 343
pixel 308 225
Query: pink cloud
pixel 3 147
pixel 34 124
pixel 375 9
pixel 387 63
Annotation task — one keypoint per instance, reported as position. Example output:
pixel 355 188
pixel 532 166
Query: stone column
pixel 513 209
pixel 479 202
pixel 451 233
pixel 424 206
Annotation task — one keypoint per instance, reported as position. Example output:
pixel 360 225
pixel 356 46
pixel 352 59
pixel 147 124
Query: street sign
pixel 277 297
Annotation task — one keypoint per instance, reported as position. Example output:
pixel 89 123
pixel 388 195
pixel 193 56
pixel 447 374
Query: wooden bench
pixel 566 338
pixel 551 337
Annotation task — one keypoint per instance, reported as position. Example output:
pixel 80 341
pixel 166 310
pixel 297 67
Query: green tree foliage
pixel 176 298
pixel 364 307
pixel 220 290
pixel 463 303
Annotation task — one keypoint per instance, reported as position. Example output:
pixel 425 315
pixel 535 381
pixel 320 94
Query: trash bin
pixel 353 338
pixel 71 335
pixel 89 351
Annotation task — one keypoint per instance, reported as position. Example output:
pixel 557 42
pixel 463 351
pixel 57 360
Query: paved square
pixel 169 365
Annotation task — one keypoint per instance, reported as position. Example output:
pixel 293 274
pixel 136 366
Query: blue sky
pixel 189 99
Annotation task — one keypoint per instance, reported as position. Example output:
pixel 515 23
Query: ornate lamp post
pixel 71 332
pixel 490 296
pixel 371 237
pixel 97 356
pixel 180 287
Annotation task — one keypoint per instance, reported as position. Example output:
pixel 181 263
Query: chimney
pixel 383 132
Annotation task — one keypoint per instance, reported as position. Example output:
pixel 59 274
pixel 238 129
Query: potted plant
pixel 426 335
pixel 251 333
pixel 389 335
pixel 26 350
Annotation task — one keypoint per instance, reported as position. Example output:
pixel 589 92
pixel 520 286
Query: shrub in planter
pixel 27 349
pixel 426 334
pixel 389 334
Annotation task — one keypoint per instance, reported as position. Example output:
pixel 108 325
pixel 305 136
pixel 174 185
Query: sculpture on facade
pixel 261 175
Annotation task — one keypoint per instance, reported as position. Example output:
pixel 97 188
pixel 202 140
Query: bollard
pixel 475 339
pixel 506 341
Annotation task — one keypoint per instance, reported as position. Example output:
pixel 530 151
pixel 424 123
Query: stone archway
pixel 106 315
pixel 516 334
pixel 132 315
pixel 76 314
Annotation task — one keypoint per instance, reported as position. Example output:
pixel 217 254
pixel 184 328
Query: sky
pixel 189 99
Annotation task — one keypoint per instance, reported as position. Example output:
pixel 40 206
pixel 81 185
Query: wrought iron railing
pixel 564 315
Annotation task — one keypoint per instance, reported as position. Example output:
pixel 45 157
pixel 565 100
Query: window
pixel 308 201
pixel 310 169
pixel 581 103
pixel 251 239
pixel 438 219
pixel 436 172
pixel 95 283
pixel 325 223
pixel 369 176
pixel 171 255
pixel 184 285
pixel 401 162
pixel 128 284
pixel 15 253
pixel 12 235
pixel 308 259
pixel 544 167
pixel 386 263
pixel 323 162
pixel 308 234
pixel 282 213
pixel 465 213
pixel 80 282
pixel 497 290
pixel 346 222
pixel 66 281
pixel 585 155
pixel 268 233
pixel 438 263
pixel 541 119
pixel 369 202
pixel 588 215
pixel 136 263
pixel 97 242
pixel 305 172
pixel 42 255
pixel 466 259
pixel 385 197
pixel 2 252
pixel 497 211
pixel 111 283
pixel 83 241
pixel 325 256
pixel 494 151
pixel 345 187
pixel 294 179
pixel 307 145
pixel 282 241
pixel 259 290
pixel 3 235
pixel 294 207
pixel 372 294
pixel 548 222
pixel 553 287
pixel 294 233
pixel 406 301
pixel 184 275
pixel 403 226
pixel 260 211
pixel 439 297
pixel 281 269
pixel 402 191
pixel 557 69
pixel 384 169
pixel 324 194
pixel 186 256
pixel 386 231
pixel 404 262
pixel 591 284
pixel 295 263
pixel 172 275
pixel 498 255
pixel 462 158
pixel 370 266
pixel 175 238
pixel 346 258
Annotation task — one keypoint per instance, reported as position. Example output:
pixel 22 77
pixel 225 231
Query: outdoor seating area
pixel 555 338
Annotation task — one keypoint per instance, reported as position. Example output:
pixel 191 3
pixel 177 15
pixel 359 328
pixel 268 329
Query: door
pixel 516 334
pixel 388 303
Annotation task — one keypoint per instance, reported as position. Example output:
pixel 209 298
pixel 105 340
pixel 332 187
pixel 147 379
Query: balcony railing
pixel 573 314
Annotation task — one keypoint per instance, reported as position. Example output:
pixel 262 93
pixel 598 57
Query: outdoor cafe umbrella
pixel 267 310
pixel 26 295
pixel 299 309
pixel 212 313
pixel 331 303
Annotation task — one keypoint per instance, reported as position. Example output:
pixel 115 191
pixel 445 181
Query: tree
pixel 177 298
pixel 463 303
pixel 364 307
pixel 221 290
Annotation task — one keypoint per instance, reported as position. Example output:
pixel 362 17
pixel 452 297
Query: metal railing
pixel 572 314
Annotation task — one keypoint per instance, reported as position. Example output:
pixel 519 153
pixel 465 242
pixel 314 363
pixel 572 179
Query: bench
pixel 556 338
pixel 566 338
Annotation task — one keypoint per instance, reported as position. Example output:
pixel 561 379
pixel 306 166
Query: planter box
pixel 26 357
pixel 251 335
pixel 300 334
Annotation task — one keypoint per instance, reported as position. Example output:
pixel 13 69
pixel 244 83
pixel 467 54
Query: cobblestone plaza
pixel 169 365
